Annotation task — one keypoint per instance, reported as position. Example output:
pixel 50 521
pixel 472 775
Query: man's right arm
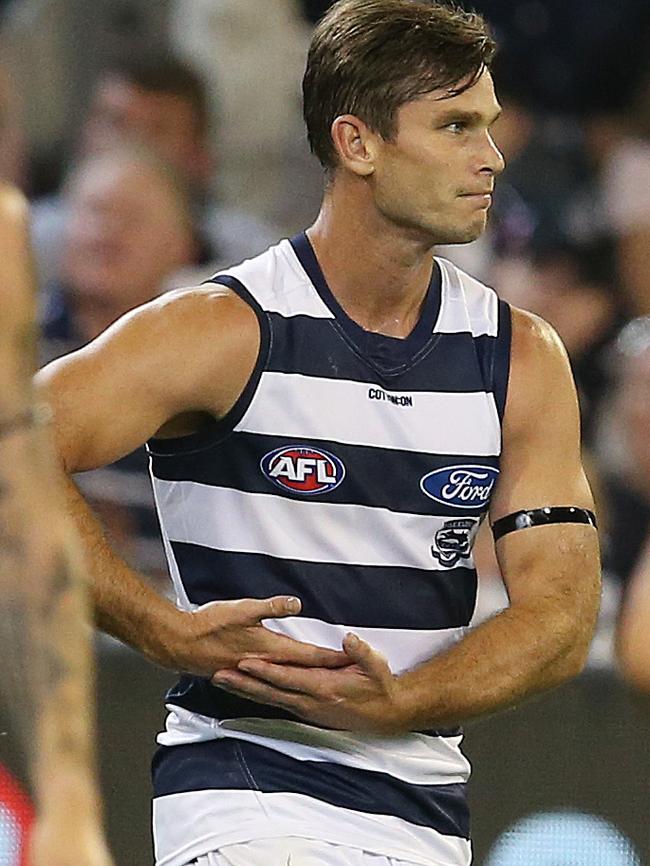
pixel 186 354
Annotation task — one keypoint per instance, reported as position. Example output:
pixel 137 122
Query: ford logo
pixel 460 486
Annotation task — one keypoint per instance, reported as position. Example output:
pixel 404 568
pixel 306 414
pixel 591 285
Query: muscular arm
pixel 44 638
pixel 185 355
pixel 551 573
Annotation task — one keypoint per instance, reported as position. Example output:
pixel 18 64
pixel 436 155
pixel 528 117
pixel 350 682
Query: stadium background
pixel 564 780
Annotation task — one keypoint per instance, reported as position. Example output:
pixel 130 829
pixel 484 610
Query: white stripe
pixel 466 304
pixel 226 519
pixel 278 288
pixel 404 649
pixel 418 759
pixel 195 823
pixel 334 410
pixel 182 599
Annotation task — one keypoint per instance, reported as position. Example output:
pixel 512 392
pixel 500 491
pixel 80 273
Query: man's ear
pixel 355 143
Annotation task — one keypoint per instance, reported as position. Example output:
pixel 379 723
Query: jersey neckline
pixel 387 353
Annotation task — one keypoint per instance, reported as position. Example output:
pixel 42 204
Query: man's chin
pixel 465 234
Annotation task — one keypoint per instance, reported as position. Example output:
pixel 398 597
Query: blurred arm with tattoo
pixel 44 631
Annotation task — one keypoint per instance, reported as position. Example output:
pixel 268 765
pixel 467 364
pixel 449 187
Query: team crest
pixel 454 541
pixel 303 470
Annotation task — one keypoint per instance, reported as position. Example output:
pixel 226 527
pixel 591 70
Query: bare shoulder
pixel 534 341
pixel 541 455
pixel 194 330
pixel 200 310
pixel 213 335
pixel 540 380
pixel 187 353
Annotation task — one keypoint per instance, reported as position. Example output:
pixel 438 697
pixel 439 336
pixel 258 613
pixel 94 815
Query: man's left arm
pixel 551 573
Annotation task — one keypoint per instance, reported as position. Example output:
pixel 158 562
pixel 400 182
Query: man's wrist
pixel 164 636
pixel 404 704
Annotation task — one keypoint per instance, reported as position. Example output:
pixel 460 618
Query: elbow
pixel 572 664
pixel 573 659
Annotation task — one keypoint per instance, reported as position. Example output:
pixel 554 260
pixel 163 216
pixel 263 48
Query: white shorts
pixel 293 852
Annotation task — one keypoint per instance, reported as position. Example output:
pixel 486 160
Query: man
pixel 156 101
pixel 43 637
pixel 329 420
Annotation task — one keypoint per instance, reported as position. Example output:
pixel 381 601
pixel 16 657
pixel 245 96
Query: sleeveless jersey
pixel 353 472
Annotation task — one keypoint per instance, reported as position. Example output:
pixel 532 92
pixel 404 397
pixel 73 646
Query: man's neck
pixel 378 274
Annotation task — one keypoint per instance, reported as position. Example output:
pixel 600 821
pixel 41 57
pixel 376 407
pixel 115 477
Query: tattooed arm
pixel 44 635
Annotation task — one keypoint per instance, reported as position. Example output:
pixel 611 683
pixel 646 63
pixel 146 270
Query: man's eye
pixel 457 126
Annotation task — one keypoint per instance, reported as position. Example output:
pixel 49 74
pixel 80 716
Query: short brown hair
pixel 369 57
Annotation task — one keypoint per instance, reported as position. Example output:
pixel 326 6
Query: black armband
pixel 35 416
pixel 542 517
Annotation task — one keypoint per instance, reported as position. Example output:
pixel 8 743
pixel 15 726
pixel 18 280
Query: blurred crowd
pixel 161 142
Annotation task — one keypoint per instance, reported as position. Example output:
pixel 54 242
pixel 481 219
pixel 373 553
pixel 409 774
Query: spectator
pixel 615 201
pixel 128 231
pixel 225 40
pixel 626 452
pixel 633 643
pixel 157 101
pixel 575 288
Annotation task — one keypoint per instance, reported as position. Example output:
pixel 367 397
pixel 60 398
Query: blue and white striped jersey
pixel 353 472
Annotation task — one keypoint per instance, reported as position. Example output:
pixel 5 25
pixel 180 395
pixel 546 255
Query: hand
pixel 223 633
pixel 63 840
pixel 364 697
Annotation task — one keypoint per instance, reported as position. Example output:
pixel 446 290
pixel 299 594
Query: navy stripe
pixel 198 695
pixel 354 595
pixel 452 360
pixel 375 477
pixel 502 358
pixel 227 764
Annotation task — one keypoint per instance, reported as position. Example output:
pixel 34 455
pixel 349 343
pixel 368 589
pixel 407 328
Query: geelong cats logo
pixel 460 486
pixel 303 470
pixel 454 541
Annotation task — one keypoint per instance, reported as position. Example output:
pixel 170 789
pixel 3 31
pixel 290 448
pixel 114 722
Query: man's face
pixel 164 122
pixel 437 175
pixel 126 233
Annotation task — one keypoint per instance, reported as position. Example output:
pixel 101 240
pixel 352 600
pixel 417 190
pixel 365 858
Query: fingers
pixel 274 647
pixel 253 610
pixel 250 611
pixel 238 683
pixel 292 679
pixel 369 660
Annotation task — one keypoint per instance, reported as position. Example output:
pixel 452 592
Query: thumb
pixel 251 611
pixel 370 660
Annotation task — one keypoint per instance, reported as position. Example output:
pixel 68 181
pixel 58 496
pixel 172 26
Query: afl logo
pixel 460 486
pixel 307 471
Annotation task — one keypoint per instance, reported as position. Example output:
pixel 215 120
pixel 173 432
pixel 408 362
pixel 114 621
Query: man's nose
pixel 495 161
